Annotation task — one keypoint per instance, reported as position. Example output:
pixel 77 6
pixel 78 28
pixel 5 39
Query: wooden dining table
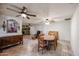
pixel 48 40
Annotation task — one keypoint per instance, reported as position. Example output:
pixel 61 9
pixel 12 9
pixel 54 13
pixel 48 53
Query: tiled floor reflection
pixel 30 48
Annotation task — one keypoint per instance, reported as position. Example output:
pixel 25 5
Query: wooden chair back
pixel 55 33
pixel 41 42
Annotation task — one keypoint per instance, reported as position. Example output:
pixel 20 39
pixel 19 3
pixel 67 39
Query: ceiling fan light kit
pixel 47 22
pixel 23 15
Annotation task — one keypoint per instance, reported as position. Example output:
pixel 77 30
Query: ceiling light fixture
pixel 23 15
pixel 47 22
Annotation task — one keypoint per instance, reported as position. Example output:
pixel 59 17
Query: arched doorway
pixel 25 30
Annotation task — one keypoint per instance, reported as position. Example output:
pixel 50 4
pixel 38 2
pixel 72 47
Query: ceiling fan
pixel 47 21
pixel 22 12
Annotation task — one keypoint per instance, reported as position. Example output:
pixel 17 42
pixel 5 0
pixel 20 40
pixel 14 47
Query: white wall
pixel 75 32
pixel 62 27
pixel 4 33
pixel 32 30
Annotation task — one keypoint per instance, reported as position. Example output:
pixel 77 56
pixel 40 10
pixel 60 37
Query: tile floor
pixel 30 48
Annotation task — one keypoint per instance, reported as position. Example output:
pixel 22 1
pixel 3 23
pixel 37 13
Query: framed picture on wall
pixel 11 26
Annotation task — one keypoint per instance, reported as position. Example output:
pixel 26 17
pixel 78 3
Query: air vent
pixel 67 19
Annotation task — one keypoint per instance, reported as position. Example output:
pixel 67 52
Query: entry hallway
pixel 30 48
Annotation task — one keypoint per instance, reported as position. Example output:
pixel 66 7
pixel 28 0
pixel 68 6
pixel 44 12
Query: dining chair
pixel 54 42
pixel 41 44
pixel 37 34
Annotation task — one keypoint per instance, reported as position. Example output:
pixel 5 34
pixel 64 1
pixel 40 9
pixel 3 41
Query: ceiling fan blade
pixel 52 21
pixel 13 10
pixel 28 17
pixel 31 15
pixel 16 7
pixel 18 15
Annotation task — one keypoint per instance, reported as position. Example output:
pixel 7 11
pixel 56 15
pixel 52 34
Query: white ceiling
pixel 52 11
